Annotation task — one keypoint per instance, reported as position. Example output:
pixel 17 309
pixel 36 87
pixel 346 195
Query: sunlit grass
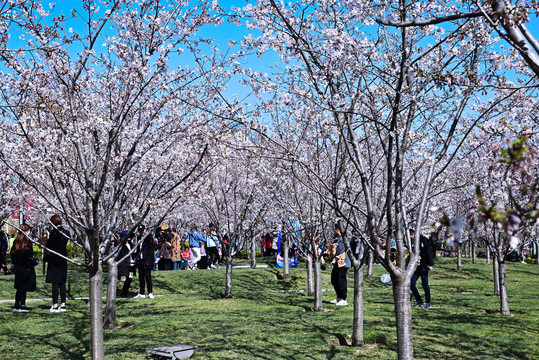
pixel 258 324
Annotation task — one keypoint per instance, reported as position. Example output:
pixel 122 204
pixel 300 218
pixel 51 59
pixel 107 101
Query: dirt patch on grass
pixel 124 326
pixel 339 341
pixel 310 309
pixel 498 312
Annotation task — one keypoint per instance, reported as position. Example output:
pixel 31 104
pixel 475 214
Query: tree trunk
pixel 110 309
pixel 286 260
pixel 370 263
pixel 403 316
pixel 488 255
pixel 228 280
pixel 310 284
pixel 474 253
pixel 357 332
pixel 504 303
pixel 317 287
pixel 496 270
pixel 253 252
pixel 96 312
pixel 43 261
pixel 459 258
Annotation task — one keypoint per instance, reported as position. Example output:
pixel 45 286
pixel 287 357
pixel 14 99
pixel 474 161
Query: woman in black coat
pixel 57 268
pixel 22 257
pixel 127 267
pixel 145 261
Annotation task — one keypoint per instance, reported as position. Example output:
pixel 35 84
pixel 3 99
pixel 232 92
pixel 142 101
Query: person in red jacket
pixel 185 258
pixel 266 245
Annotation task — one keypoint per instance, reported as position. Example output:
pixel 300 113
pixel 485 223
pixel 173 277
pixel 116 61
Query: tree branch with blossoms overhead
pixel 508 20
pixel 516 213
pixel 518 162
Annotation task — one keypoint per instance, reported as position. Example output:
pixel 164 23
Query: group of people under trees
pixel 166 249
pixel 24 262
pixel 340 261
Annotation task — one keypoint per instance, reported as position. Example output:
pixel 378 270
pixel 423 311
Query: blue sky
pixel 221 34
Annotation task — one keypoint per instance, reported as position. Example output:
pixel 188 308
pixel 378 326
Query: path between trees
pixel 164 295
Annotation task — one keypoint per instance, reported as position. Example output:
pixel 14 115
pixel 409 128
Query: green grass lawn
pixel 259 323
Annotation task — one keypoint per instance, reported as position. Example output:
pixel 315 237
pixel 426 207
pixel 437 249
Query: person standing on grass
pixel 165 255
pixel 127 267
pixel 426 264
pixel 22 257
pixel 4 247
pixel 212 245
pixel 266 245
pixel 194 243
pixel 57 266
pixel 341 263
pixel 145 262
pixel 176 249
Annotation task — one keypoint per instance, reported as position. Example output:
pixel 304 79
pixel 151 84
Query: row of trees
pixel 377 115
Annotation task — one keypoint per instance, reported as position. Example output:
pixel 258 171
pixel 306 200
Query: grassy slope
pixel 256 324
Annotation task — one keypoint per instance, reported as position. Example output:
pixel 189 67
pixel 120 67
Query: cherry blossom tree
pixel 98 123
pixel 233 196
pixel 8 195
pixel 512 213
pixel 508 20
pixel 400 102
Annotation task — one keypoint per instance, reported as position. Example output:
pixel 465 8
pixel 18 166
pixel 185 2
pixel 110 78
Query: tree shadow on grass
pixel 472 345
pixel 278 274
pixel 80 331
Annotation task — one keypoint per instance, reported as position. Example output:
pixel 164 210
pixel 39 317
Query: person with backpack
pixel 426 264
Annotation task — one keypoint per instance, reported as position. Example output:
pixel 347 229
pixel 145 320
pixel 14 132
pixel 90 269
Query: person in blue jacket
pixel 194 243
pixel 212 247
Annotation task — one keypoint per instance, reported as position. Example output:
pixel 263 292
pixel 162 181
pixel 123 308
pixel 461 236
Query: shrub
pixel 243 253
pixel 37 251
